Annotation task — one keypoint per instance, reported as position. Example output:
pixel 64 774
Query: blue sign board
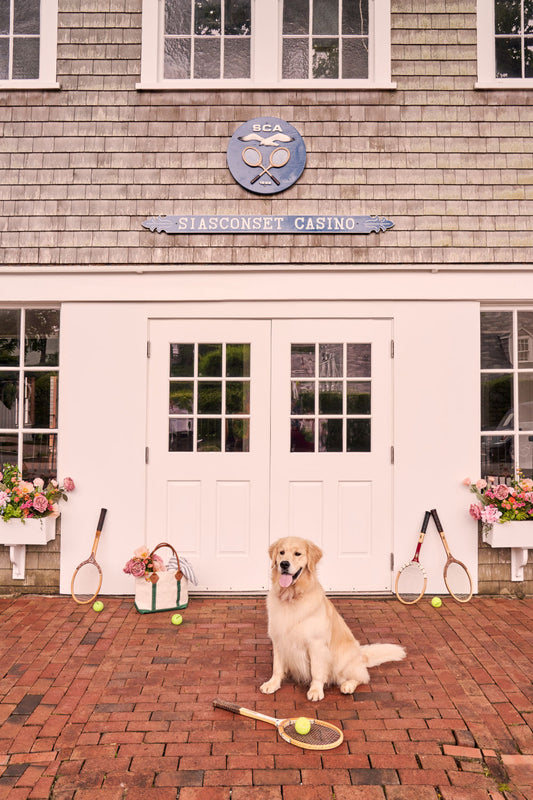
pixel 266 155
pixel 280 223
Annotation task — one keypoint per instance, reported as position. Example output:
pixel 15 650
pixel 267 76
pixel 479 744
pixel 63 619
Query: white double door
pixel 259 429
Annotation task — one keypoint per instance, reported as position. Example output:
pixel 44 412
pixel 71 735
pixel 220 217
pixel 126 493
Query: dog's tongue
pixel 285 580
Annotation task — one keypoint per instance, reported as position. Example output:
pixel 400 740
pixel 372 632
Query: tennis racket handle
pixel 235 709
pixel 103 512
pixel 436 519
pixel 427 516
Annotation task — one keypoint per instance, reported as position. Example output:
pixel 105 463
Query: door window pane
pixel 40 399
pixel 203 412
pixel 342 420
pixel 39 455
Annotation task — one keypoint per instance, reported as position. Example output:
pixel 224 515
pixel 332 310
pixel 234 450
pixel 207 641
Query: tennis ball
pixel 436 602
pixel 302 726
pixel 177 619
pixel 98 606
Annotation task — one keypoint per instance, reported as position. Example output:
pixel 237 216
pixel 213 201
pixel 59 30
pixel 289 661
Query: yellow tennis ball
pixel 436 602
pixel 177 619
pixel 98 606
pixel 302 726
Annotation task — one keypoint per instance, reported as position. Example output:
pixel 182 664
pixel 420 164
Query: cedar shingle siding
pixel 82 167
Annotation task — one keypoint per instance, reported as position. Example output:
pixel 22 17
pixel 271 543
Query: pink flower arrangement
pixel 143 564
pixel 21 499
pixel 499 502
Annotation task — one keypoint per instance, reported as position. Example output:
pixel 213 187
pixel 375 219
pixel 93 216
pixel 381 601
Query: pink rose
pixel 467 481
pixel 40 503
pixel 481 484
pixel 4 497
pixel 490 514
pixel 38 483
pixel 69 484
pixel 475 511
pixel 501 491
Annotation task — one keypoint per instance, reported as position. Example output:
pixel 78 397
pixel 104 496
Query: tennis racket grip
pixel 235 709
pixel 100 525
pixel 436 519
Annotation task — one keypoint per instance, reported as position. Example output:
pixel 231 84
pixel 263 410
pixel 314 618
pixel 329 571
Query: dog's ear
pixel 272 551
pixel 314 554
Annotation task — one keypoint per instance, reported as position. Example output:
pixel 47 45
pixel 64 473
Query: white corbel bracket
pixel 17 556
pixel 519 557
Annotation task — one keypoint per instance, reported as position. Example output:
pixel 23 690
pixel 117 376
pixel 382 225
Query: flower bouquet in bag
pixel 156 588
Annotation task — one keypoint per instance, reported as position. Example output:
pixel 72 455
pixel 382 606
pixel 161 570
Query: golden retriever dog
pixel 311 642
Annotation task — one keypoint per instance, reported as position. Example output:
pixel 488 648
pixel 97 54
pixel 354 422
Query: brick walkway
pixel 119 705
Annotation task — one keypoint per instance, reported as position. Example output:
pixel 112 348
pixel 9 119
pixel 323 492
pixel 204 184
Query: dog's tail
pixel 375 654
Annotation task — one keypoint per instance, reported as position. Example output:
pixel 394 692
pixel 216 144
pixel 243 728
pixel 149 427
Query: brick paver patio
pixel 118 705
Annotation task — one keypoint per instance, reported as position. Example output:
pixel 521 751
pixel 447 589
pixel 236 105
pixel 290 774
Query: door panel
pixel 331 477
pixel 208 437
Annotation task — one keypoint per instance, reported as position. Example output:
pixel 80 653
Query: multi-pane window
pixel 331 390
pixel 513 29
pixel 505 42
pixel 207 38
pixel 325 39
pixel 506 393
pixel 29 384
pixel 209 397
pixel 266 43
pixel 20 24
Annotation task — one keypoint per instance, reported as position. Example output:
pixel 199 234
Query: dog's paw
pixel 269 687
pixel 349 687
pixel 315 693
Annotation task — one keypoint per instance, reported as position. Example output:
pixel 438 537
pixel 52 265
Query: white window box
pixel 16 534
pixel 518 535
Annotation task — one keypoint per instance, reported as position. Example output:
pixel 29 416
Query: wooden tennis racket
pixel 89 572
pixel 321 736
pixel 456 575
pixel 411 580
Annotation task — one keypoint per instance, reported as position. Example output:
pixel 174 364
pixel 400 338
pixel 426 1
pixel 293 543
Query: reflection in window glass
pixel 42 337
pixel 302 397
pixel 9 399
pixel 207 39
pixel 358 436
pixel 325 39
pixel 513 21
pixel 39 455
pixel 506 393
pixel 209 436
pixel 342 419
pixel 302 435
pixel 206 415
pixel 40 399
pixel 9 337
pixel 525 339
pixel 180 435
pixel 237 435
pixel 496 401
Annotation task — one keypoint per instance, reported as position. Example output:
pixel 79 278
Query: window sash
pixel 266 53
pixel 47 53
pixel 486 51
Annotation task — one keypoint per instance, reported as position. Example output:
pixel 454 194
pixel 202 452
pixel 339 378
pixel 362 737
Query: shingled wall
pixel 82 167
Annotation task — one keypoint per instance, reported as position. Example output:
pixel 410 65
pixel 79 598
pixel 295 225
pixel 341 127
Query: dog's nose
pixel 285 565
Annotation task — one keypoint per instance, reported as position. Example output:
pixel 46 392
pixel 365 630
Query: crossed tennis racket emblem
pixel 277 159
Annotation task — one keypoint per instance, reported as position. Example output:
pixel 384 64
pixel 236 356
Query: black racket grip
pixel 436 519
pixel 425 524
pixel 103 512
pixel 235 709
